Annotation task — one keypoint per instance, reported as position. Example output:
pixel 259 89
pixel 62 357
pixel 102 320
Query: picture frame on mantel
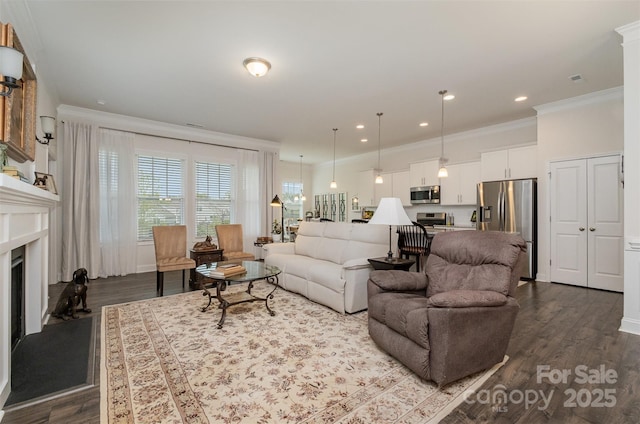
pixel 45 182
pixel 18 111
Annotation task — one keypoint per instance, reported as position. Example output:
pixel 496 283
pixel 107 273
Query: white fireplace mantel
pixel 24 221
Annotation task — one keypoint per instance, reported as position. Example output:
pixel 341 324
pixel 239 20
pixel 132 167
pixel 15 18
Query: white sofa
pixel 328 262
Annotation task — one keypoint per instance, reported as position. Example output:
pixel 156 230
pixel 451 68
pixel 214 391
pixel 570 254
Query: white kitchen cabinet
pixel 424 174
pixel 385 189
pixel 394 184
pixel 586 205
pixel 459 188
pixel 366 192
pixel 509 164
pixel 401 187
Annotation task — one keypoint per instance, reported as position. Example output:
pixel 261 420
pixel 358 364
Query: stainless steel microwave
pixel 425 194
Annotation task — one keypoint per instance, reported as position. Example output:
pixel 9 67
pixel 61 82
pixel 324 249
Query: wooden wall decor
pixel 18 111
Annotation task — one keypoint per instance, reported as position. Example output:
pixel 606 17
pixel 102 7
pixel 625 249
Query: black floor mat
pixel 53 360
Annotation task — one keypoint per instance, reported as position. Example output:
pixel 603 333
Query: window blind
pixel 213 196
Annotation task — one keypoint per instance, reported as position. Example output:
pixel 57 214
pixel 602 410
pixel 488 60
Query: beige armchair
pixel 170 242
pixel 456 318
pixel 230 239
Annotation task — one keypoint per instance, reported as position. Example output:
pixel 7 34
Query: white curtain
pixel 268 179
pixel 248 211
pixel 118 240
pixel 80 217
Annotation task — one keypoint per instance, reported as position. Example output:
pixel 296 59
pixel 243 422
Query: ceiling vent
pixel 576 78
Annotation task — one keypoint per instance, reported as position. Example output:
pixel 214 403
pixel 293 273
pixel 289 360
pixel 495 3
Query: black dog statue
pixel 70 298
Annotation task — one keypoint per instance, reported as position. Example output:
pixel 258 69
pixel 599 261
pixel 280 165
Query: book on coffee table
pixel 227 270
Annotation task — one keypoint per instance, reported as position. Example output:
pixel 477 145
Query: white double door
pixel 586 199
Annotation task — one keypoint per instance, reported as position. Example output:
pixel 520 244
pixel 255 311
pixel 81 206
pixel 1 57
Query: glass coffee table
pixel 256 271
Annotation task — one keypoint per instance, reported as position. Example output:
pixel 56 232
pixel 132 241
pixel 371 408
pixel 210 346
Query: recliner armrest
pixel 467 299
pixel 398 281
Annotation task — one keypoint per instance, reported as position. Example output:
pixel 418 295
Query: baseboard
pixel 629 325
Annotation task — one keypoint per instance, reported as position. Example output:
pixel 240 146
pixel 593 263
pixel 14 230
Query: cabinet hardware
pixel 581 228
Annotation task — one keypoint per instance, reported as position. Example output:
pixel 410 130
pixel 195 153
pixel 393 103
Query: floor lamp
pixel 276 202
pixel 390 212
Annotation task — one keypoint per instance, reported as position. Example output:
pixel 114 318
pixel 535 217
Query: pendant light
pixel 302 196
pixel 378 176
pixel 442 172
pixel 333 182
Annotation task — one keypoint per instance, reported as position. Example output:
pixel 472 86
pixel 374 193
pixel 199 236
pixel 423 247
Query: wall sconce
pixel 11 69
pixel 48 124
pixel 257 66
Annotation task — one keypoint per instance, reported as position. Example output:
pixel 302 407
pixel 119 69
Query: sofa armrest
pixel 467 299
pixel 397 281
pixel 287 248
pixel 356 263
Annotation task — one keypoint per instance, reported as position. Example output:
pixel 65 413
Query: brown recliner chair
pixel 230 239
pixel 456 318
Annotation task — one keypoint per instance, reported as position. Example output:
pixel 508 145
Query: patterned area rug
pixel 165 361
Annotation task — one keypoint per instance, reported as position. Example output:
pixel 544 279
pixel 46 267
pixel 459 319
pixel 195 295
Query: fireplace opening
pixel 17 296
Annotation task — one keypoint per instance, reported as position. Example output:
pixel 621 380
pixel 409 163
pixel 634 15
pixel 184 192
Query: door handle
pixel 581 228
pixel 591 229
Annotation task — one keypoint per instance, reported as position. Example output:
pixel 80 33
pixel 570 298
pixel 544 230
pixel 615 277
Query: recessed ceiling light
pixel 364 140
pixel 359 126
pixel 101 102
pixel 521 98
pixel 449 97
pixel 424 124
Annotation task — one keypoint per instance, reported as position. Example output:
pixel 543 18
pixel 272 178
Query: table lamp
pixel 390 212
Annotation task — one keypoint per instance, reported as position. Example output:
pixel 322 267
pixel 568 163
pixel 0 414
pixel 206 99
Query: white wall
pixel 574 128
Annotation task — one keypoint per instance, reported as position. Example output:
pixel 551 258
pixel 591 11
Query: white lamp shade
pixel 10 62
pixel 333 184
pixel 256 66
pixel 48 124
pixel 390 212
pixel 442 172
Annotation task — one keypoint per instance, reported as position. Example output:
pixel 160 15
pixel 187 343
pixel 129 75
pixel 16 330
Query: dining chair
pixel 170 242
pixel 230 239
pixel 413 240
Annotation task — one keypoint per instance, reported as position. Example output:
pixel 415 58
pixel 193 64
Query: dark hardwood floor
pixel 562 327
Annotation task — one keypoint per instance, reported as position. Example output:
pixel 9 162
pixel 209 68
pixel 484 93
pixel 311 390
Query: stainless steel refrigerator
pixel 510 206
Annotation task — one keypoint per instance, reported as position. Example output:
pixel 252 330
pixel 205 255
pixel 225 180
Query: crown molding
pixel 630 32
pixel 162 129
pixel 602 96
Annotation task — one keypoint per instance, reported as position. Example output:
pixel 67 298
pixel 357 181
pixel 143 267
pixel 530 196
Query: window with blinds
pixel 160 193
pixel 290 196
pixel 213 196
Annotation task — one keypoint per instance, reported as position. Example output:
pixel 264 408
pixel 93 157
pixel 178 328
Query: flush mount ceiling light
pixel 11 69
pixel 379 179
pixel 256 66
pixel 334 184
pixel 442 172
